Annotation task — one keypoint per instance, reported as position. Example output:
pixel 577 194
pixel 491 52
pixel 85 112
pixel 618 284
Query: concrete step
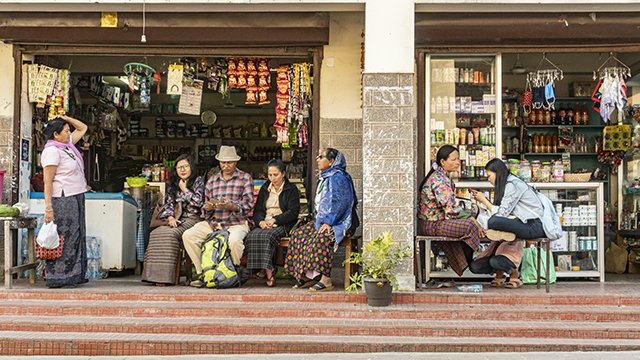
pixel 283 293
pixel 327 327
pixel 320 310
pixel 95 344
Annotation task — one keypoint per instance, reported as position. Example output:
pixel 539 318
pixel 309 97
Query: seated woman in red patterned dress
pixel 440 215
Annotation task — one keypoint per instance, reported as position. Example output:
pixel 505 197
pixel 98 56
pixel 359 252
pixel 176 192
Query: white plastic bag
pixel 48 236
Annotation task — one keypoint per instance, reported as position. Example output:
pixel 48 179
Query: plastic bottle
pixel 476 288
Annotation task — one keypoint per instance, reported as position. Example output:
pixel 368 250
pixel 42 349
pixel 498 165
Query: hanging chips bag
pixel 263 98
pixel 251 97
pixel 251 67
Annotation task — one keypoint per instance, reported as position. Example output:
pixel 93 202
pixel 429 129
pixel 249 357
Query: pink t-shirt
pixel 69 175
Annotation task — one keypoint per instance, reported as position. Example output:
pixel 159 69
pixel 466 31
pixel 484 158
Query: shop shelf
pixel 574 126
pixel 581 273
pixel 452 274
pixel 560 154
pixel 629 233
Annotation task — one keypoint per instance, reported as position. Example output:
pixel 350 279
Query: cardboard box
pixel 581 88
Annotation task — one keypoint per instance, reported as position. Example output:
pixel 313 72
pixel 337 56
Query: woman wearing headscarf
pixel 64 188
pixel 440 215
pixel 310 253
pixel 185 192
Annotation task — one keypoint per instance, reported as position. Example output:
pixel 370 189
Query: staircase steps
pixel 183 321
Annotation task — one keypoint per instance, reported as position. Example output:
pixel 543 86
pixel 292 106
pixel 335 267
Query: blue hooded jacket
pixel 334 198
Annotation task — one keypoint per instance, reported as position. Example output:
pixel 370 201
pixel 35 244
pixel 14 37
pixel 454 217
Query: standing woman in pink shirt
pixel 64 188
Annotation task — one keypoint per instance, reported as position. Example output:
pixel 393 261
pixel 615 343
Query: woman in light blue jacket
pixel 516 212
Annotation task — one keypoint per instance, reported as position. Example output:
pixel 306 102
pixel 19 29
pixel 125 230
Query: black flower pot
pixel 378 292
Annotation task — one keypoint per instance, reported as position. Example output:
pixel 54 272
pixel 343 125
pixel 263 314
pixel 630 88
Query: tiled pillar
pixel 389 127
pixel 389 162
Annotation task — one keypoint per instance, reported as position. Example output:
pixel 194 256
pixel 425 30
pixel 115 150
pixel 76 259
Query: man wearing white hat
pixel 228 201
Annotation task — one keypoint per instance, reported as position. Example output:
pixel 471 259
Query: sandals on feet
pixel 197 283
pixel 319 286
pixel 271 281
pixel 300 284
pixel 513 284
pixel 498 280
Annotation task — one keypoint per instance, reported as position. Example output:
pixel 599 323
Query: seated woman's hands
pixel 172 222
pixel 479 196
pixel 324 228
pixel 267 224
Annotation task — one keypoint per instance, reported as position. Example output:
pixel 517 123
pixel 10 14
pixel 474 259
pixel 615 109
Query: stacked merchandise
pixel 253 76
pixel 94 258
pixel 293 104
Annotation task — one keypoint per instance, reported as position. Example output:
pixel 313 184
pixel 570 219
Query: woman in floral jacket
pixel 440 215
pixel 186 190
pixel 311 248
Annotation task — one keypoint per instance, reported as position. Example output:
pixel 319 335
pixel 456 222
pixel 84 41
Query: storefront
pixel 177 92
pixel 523 92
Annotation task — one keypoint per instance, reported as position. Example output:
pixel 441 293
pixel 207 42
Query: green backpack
pixel 218 270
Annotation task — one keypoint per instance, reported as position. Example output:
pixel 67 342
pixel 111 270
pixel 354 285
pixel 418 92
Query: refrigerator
pixel 110 217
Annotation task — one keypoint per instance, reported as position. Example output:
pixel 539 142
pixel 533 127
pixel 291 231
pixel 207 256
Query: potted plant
pixel 377 261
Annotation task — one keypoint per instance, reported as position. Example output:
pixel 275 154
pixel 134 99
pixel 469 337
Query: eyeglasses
pixel 321 157
pixel 183 167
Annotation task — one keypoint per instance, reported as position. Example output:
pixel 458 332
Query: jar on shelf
pixel 545 172
pixel 558 171
pixel 146 171
pixel 536 170
pixel 514 166
pixel 524 171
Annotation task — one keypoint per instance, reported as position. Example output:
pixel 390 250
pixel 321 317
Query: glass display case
pixel 578 254
pixel 462 99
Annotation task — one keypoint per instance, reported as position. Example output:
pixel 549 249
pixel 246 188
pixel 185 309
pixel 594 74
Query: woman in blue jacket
pixel 310 253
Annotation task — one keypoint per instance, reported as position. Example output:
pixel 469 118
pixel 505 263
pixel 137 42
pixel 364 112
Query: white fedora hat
pixel 227 153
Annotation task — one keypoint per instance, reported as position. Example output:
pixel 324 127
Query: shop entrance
pixel 550 131
pixel 263 103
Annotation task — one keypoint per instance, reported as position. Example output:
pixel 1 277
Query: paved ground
pixel 377 356
pixel 625 285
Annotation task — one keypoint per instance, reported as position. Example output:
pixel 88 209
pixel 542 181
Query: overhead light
pixel 517 68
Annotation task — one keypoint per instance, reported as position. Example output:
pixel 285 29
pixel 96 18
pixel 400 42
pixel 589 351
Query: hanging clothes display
pixel 611 90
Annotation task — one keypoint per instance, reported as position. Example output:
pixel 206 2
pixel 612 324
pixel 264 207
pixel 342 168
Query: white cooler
pixel 110 217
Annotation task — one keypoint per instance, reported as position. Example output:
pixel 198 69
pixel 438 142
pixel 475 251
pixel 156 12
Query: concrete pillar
pixel 390 127
pixel 7 156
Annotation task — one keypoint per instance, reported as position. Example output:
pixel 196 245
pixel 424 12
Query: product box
pixel 561 243
pixel 489 102
pixel 477 107
pixel 564 262
pixel 581 88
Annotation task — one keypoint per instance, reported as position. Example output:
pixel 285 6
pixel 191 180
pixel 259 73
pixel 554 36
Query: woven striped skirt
pixel 260 246
pixel 162 252
pixel 458 253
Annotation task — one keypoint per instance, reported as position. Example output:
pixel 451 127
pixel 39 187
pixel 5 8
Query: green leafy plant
pixel 378 260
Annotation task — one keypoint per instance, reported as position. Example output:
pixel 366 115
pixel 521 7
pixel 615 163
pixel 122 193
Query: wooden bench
pixel 428 239
pixel 350 242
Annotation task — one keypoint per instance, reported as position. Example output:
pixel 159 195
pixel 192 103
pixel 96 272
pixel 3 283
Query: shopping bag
pixel 48 236
pixel 529 266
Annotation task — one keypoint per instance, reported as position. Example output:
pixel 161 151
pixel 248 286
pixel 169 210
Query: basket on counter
pixel 577 177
